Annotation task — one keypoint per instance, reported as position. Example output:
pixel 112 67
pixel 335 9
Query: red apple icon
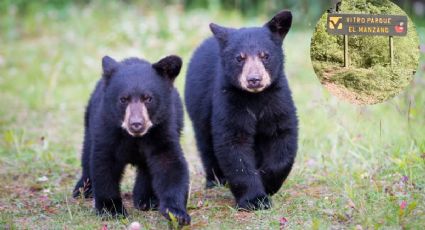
pixel 399 28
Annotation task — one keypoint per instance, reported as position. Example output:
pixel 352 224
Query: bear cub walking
pixel 135 116
pixel 242 111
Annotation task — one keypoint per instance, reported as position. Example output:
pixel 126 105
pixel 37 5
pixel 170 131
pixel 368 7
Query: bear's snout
pixel 136 119
pixel 254 81
pixel 254 76
pixel 136 127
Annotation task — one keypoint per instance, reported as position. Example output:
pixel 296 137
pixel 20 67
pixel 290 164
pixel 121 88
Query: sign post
pixel 391 50
pixel 369 25
pixel 346 62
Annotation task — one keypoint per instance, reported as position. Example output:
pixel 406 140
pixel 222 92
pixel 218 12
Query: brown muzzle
pixel 254 76
pixel 136 119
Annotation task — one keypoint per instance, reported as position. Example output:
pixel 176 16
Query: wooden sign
pixel 367 24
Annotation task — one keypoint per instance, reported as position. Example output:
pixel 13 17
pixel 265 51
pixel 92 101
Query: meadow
pixel 357 167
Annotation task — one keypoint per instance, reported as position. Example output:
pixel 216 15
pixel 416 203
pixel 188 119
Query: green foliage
pixel 366 53
pixel 305 11
pixel 378 82
pixel 325 47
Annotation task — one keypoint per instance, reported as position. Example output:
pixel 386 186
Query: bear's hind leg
pixel 83 188
pixel 214 175
pixel 84 184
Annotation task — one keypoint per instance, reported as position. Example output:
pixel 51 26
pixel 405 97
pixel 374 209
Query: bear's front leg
pixel 233 146
pixel 278 153
pixel 170 181
pixel 143 195
pixel 106 173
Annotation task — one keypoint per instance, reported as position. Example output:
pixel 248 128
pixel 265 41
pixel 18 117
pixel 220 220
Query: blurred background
pixel 309 10
pixel 357 166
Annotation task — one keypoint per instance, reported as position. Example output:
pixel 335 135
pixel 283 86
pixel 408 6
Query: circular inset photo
pixel 365 51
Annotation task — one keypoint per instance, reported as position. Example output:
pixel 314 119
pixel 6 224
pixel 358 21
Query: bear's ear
pixel 221 33
pixel 280 24
pixel 109 65
pixel 168 67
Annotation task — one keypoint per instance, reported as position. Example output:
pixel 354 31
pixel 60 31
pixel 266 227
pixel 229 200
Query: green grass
pixel 377 83
pixel 355 165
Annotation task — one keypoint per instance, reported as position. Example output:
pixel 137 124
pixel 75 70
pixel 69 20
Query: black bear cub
pixel 241 107
pixel 135 116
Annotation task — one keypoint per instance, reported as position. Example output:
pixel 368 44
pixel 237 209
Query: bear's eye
pixel 147 99
pixel 240 58
pixel 264 55
pixel 124 100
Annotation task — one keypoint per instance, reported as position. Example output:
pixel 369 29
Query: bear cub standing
pixel 135 116
pixel 242 111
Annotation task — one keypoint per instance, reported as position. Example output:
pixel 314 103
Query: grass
pixel 356 166
pixel 362 85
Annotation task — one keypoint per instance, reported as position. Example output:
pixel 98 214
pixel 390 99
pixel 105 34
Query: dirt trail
pixel 343 92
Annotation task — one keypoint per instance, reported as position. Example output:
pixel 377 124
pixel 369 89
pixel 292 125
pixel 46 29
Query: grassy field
pixel 357 167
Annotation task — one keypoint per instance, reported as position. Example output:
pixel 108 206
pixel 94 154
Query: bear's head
pixel 252 58
pixel 138 93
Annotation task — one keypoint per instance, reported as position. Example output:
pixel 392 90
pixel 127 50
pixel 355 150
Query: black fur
pixel 247 139
pixel 162 174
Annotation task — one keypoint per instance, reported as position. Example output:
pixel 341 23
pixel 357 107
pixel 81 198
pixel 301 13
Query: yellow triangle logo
pixel 335 23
